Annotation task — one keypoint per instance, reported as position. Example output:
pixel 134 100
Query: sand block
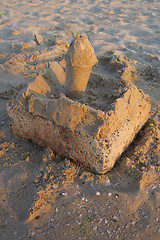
pixel 93 131
pixel 57 73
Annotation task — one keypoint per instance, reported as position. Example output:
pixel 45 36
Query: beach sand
pixel 43 196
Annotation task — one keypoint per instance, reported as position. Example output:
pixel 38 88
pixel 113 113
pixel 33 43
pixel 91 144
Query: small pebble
pixel 77 192
pixel 33 233
pixel 133 222
pixel 27 159
pixel 95 228
pixel 100 220
pixel 115 219
pixel 117 195
pixel 98 193
pixel 78 222
pixel 109 194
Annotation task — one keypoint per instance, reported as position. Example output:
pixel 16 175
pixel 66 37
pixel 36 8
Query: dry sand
pixel 43 196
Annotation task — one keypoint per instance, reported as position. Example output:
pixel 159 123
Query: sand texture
pixel 45 196
pixel 96 138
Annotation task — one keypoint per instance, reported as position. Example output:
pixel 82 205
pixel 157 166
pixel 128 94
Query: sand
pixel 90 130
pixel 44 196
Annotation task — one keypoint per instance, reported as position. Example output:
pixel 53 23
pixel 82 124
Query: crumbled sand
pixel 43 196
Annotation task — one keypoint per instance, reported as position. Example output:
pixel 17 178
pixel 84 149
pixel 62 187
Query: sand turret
pixel 79 61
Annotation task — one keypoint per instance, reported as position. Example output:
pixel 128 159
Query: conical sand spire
pixel 79 61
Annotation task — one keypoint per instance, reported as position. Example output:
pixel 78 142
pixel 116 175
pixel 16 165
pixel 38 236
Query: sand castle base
pixel 93 131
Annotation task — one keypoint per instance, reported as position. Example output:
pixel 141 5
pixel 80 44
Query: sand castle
pixel 89 132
